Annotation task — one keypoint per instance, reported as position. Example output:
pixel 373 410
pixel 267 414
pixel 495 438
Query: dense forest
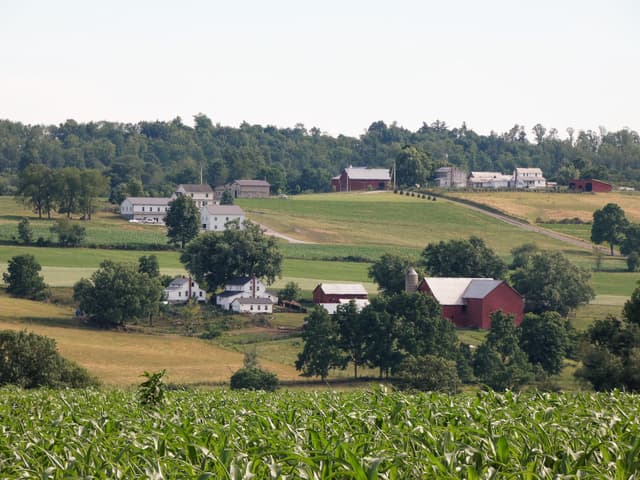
pixel 149 158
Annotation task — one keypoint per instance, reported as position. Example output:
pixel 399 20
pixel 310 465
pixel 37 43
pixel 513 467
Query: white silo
pixel 411 281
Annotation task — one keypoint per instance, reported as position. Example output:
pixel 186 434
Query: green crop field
pixel 366 434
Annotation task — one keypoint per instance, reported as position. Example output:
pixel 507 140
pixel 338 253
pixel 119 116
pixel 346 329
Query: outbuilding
pixel 590 185
pixel 361 179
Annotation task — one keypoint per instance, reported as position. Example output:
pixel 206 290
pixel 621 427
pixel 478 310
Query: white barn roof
pixel 364 173
pixel 343 289
pixel 157 201
pixel 453 291
pixel 223 210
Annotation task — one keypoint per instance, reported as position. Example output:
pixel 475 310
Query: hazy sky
pixel 336 65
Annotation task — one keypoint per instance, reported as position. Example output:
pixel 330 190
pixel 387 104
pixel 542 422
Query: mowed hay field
pixel 555 206
pixel 119 358
pixel 384 219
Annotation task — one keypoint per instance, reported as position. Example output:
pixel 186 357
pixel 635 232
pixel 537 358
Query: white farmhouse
pixel 181 289
pixel 145 209
pixel 201 194
pixel 214 218
pixel 528 178
pixel 489 180
pixel 243 287
pixel 252 305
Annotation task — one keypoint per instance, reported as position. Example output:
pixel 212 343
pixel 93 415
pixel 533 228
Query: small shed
pixel 590 185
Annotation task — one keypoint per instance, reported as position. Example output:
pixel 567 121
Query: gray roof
pixel 223 210
pixel 454 291
pixel 480 287
pixel 161 201
pixel 239 281
pixel 253 183
pixel 195 188
pixel 253 301
pixel 364 173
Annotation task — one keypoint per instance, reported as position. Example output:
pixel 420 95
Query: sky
pixel 335 65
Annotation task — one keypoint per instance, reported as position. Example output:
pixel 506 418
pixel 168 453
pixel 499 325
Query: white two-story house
pixel 214 218
pixel 528 178
pixel 248 289
pixel 145 209
pixel 181 289
pixel 201 194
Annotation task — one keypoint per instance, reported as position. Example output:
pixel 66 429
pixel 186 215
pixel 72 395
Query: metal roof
pixel 342 289
pixel 454 291
pixel 148 201
pixel 529 170
pixel 223 210
pixel 240 281
pixel 253 183
pixel 253 301
pixel 480 287
pixel 195 188
pixel 364 173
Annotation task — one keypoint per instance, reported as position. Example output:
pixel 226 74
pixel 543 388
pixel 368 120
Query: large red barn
pixel 469 302
pixel 361 178
pixel 590 185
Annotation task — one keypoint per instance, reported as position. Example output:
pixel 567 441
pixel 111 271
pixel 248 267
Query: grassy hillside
pixel 555 206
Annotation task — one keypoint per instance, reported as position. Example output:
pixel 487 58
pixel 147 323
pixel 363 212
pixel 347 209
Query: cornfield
pixel 322 435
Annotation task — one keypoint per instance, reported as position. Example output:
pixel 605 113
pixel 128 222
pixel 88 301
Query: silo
pixel 411 281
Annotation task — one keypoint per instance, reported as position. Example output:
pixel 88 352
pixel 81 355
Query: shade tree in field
pixel 23 278
pixel 290 292
pixel 413 166
pixel 70 234
pixel 499 362
pixel 117 293
pixel 389 272
pixel 182 220
pixel 321 352
pixel 462 258
pixel 544 338
pixel 240 251
pixel 609 225
pixel 550 282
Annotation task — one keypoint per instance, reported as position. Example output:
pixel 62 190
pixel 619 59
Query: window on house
pixel 143 209
pixel 215 227
pixel 204 226
pixel 251 307
pixel 179 294
pixel 227 219
pixel 200 293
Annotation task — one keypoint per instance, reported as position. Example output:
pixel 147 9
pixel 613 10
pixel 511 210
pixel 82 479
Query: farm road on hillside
pixel 532 228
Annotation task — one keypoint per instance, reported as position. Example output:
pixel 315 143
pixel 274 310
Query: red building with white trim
pixel 469 302
pixel 361 178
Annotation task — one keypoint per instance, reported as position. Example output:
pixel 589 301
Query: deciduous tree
pixel 320 352
pixel 550 282
pixel 544 339
pixel 216 258
pixel 22 277
pixel 462 258
pixel 609 224
pixel 182 220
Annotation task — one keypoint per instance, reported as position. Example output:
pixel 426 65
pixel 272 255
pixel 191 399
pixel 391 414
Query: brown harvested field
pixel 119 358
pixel 555 206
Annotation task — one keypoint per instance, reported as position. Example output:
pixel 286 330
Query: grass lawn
pixel 555 206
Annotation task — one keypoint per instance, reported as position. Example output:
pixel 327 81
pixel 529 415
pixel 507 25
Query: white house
pixel 145 209
pixel 181 289
pixel 332 307
pixel 252 305
pixel 528 178
pixel 243 287
pixel 201 194
pixel 489 180
pixel 214 218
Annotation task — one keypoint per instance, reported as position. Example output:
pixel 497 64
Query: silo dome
pixel 411 281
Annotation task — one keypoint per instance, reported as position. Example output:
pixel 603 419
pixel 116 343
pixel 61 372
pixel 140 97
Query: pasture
pixel 365 434
pixel 533 205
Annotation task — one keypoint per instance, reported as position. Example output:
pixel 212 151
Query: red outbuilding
pixel 590 185
pixel 334 292
pixel 361 178
pixel 469 302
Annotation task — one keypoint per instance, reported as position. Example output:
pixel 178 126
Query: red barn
pixel 469 302
pixel 361 178
pixel 590 185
